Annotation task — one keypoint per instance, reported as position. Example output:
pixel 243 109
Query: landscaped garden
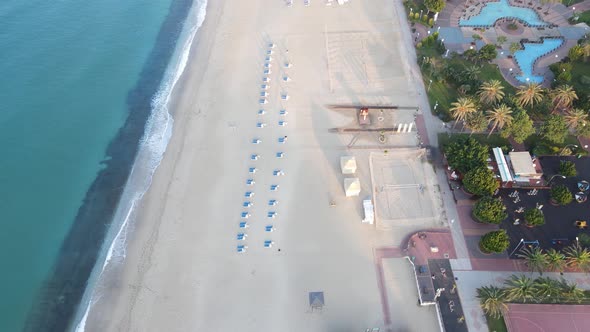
pixel 522 289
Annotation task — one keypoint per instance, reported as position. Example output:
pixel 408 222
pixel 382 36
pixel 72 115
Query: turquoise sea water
pixel 67 68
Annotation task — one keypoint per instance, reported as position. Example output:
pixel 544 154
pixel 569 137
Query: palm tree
pixel 575 117
pixel 476 122
pixel 491 92
pixel 547 289
pixel 472 72
pixel 462 108
pixel 520 289
pixel 555 260
pixel 499 116
pixel 564 96
pixel 571 291
pixel 535 258
pixel 578 257
pixel 492 300
pixel 530 94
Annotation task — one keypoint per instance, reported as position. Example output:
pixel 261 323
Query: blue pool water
pixel 532 51
pixel 494 11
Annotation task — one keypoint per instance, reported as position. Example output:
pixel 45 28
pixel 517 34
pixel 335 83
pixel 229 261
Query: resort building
pixel 517 169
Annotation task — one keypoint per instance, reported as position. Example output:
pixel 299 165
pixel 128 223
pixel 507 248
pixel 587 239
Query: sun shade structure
pixel 352 187
pixel 369 212
pixel 502 165
pixel 348 164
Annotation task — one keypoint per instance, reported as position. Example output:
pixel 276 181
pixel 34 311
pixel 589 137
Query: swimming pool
pixel 532 51
pixel 493 11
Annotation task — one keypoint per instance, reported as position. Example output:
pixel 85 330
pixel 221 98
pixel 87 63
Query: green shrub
pixel 419 45
pixel 431 22
pixel 465 154
pixel 534 217
pixel 480 181
pixel 490 210
pixel 567 168
pixel 494 242
pixel 561 195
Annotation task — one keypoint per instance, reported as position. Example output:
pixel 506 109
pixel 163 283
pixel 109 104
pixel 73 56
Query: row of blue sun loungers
pixel 241 236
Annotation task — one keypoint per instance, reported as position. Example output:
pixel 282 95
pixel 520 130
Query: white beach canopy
pixel 348 164
pixel 352 187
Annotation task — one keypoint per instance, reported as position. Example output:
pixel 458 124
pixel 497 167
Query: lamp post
pixel 551 178
pixel 565 147
pixel 429 84
pixel 421 13
pixel 517 245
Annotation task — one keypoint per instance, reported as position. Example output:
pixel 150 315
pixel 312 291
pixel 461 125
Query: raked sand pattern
pixel 185 269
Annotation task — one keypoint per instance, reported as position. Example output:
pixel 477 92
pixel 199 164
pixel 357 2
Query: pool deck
pixel 459 39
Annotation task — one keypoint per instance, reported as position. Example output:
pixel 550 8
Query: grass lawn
pixel 496 324
pixel 583 17
pixel 493 141
pixel 443 93
pixel 581 72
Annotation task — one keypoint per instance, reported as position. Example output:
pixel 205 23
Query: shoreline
pixel 110 277
pixel 57 302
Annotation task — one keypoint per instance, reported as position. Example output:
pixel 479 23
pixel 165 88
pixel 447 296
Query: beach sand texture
pixel 182 271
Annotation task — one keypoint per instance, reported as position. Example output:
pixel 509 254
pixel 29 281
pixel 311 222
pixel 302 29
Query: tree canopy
pixel 494 242
pixel 480 181
pixel 567 168
pixel 554 129
pixel 435 5
pixel 487 52
pixel 465 154
pixel 520 128
pixel 534 217
pixel 490 210
pixel 561 195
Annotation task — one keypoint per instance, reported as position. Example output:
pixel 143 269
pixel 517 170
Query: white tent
pixel 348 164
pixel 352 187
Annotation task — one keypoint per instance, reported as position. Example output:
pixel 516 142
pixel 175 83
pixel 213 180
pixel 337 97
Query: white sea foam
pixel 152 147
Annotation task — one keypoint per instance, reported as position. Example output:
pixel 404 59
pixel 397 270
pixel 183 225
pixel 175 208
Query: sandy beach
pixel 182 270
